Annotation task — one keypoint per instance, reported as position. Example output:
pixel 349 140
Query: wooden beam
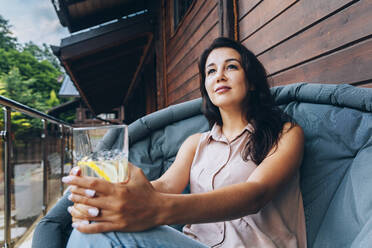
pixel 236 19
pixel 85 47
pixel 85 14
pixel 139 68
pixel 157 7
pixel 99 60
pixel 164 62
pixel 74 80
pixel 226 18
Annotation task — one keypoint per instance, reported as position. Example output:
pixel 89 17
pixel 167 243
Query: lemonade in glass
pixel 102 151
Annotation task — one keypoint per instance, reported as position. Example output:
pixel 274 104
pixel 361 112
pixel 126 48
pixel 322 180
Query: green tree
pixel 17 88
pixel 28 73
pixel 44 73
pixel 7 41
pixel 41 54
pixel 53 99
pixel 13 86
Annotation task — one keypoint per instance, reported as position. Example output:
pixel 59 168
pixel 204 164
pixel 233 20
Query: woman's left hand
pixel 133 205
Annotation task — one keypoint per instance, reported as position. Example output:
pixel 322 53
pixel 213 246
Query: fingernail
pixel 75 225
pixel 90 192
pixel 70 197
pixel 67 179
pixel 93 212
pixel 69 209
pixel 84 222
pixel 75 170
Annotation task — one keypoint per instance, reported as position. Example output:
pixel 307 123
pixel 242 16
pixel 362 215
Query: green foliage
pixel 68 116
pixel 53 99
pixel 28 75
pixel 44 73
pixel 17 88
pixel 41 54
pixel 7 41
pixel 14 87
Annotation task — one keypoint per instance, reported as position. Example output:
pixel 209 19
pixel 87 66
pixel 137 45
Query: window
pixel 180 8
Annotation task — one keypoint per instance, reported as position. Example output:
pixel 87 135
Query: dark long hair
pixel 258 105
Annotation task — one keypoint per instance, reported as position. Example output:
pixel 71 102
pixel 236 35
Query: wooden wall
pixel 296 40
pixel 184 45
pixel 310 40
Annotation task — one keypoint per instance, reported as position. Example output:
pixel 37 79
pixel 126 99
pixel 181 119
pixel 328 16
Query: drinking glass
pixel 102 151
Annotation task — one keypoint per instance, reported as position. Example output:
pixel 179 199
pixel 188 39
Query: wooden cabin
pixel 134 57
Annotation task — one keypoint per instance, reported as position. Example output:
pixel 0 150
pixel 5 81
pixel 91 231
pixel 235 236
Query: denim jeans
pixel 162 237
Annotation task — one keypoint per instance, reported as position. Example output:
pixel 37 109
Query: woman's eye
pixel 232 67
pixel 210 71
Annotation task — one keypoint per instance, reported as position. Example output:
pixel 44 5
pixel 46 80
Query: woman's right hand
pixel 81 211
pixel 132 205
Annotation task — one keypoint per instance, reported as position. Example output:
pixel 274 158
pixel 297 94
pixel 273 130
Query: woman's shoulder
pixel 291 126
pixel 293 130
pixel 194 138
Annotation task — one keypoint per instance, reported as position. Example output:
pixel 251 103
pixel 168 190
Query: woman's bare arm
pixel 135 205
pixel 244 198
pixel 176 178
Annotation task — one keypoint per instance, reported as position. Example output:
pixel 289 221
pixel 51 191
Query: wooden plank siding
pixel 196 31
pixel 176 42
pixel 300 16
pixel 350 65
pixel 313 41
pixel 262 14
pixel 245 7
pixel 296 40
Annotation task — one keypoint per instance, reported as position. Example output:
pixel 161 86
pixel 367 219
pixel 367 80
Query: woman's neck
pixel 233 122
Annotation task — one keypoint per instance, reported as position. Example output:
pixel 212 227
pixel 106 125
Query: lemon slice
pixel 109 167
pixel 95 168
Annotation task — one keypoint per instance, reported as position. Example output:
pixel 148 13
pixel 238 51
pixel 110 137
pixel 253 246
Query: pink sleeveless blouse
pixel 218 163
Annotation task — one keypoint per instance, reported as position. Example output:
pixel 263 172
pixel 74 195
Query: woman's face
pixel 225 78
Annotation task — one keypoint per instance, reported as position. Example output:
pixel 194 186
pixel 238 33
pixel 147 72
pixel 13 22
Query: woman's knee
pixel 79 239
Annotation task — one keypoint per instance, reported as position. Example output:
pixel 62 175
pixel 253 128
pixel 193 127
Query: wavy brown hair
pixel 259 106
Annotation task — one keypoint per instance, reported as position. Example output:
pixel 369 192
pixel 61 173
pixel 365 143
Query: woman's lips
pixel 222 89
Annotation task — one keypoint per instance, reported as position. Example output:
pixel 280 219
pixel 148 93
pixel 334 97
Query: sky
pixel 33 20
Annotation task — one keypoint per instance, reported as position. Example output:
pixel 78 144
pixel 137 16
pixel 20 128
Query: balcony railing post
pixel 72 146
pixel 45 167
pixel 7 176
pixel 6 134
pixel 62 138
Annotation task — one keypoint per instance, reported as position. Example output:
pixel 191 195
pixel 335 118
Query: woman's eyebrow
pixel 232 59
pixel 227 60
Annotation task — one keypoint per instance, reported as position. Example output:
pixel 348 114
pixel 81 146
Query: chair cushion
pixel 337 165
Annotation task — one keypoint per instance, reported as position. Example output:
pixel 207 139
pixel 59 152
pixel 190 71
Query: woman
pixel 243 174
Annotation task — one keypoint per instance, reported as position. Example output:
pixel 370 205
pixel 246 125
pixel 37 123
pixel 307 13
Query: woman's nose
pixel 221 76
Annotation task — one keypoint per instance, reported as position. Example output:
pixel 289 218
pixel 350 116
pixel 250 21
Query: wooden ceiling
pixel 80 14
pixel 104 62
